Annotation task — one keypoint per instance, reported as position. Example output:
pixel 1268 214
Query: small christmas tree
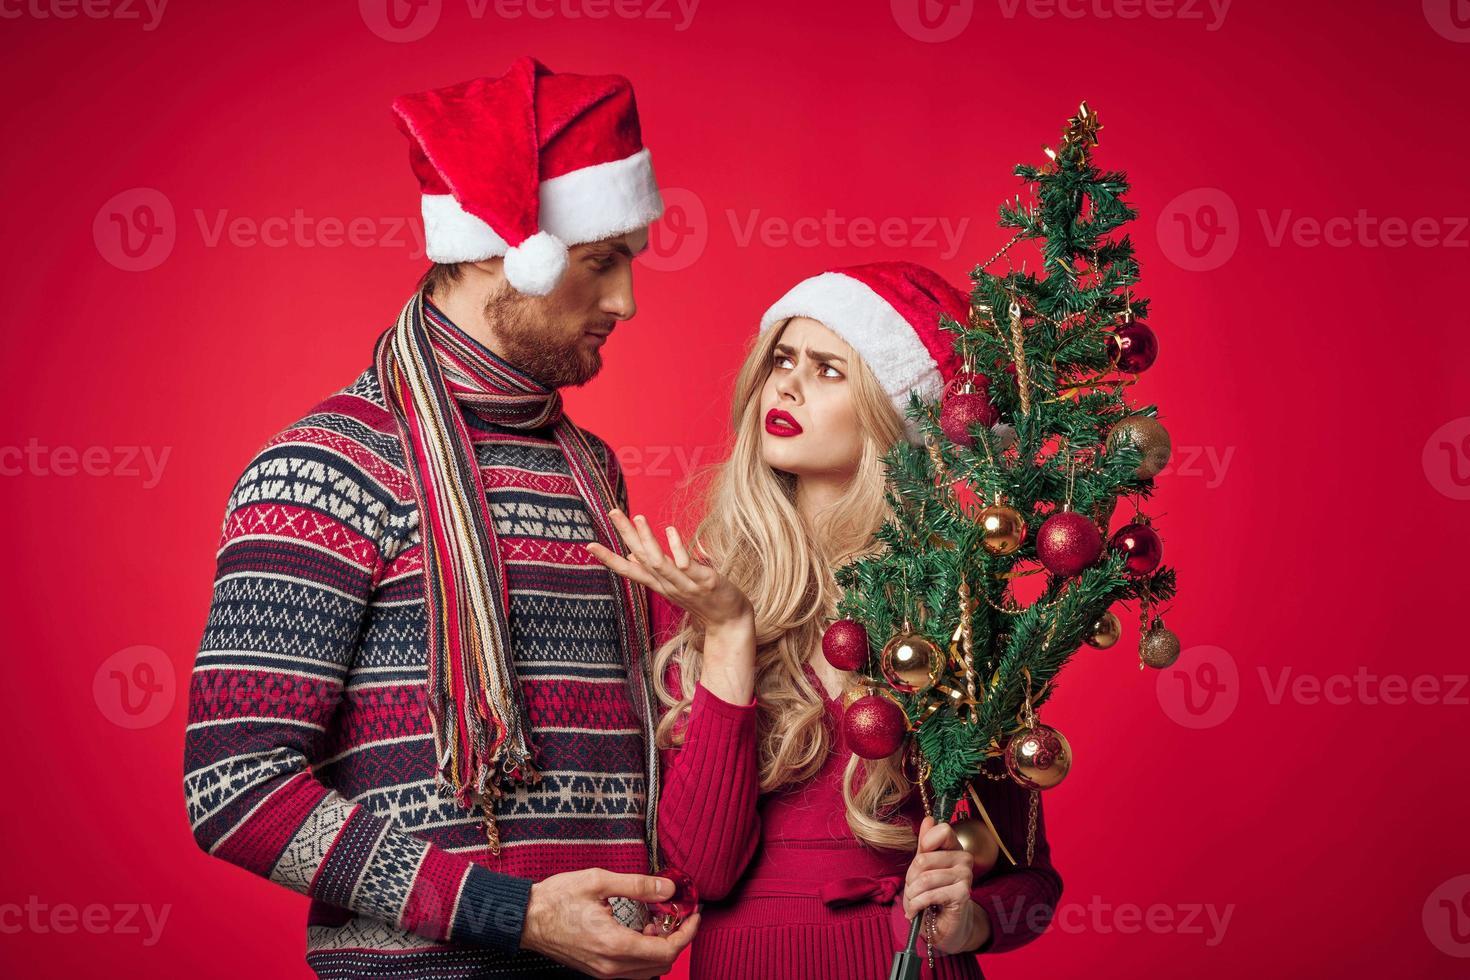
pixel 1025 459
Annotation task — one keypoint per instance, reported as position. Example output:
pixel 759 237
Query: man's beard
pixel 525 342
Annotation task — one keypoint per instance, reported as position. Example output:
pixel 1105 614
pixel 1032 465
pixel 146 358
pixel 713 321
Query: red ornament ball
pixel 670 913
pixel 1133 346
pixel 874 727
pixel 1067 543
pixel 962 409
pixel 845 645
pixel 1142 546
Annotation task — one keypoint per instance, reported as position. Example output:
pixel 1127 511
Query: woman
pixel 798 848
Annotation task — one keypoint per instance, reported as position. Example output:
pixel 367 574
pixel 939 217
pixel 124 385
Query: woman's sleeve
pixel 708 824
pixel 1019 900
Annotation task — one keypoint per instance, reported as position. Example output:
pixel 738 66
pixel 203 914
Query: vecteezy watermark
pixel 1206 462
pixel 135 687
pixel 65 918
pixel 1200 229
pixel 404 21
pixel 936 21
pixel 147 12
pixel 302 230
pixel 839 231
pixel 1098 916
pixel 932 21
pixel 1201 689
pixel 1447 458
pixel 1210 13
pixel 136 230
pixel 1363 230
pixel 117 462
pixel 662 461
pixel 678 239
pixel 1364 687
pixel 1449 18
pixel 1446 917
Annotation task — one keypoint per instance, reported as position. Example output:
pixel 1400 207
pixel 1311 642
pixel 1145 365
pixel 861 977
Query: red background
pixel 1316 393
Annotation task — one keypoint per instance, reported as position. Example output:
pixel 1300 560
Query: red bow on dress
pixel 850 891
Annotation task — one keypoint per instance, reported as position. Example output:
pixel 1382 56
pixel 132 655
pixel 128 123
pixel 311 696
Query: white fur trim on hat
pixel 881 336
pixel 584 205
pixel 536 265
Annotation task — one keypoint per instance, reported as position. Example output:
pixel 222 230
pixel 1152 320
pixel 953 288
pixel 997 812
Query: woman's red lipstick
pixel 774 419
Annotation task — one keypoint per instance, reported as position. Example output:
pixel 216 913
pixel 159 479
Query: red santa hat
pixel 889 313
pixel 525 165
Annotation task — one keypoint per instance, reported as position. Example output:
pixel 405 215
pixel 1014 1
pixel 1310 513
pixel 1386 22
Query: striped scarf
pixel 476 708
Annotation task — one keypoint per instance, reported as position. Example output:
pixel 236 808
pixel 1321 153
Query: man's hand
pixel 942 874
pixel 570 921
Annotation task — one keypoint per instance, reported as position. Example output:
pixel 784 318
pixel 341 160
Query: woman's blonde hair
pixel 752 532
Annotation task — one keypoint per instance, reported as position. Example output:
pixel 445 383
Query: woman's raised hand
pixel 691 585
pixel 728 663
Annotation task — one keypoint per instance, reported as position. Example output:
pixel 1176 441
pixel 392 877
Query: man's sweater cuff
pixel 492 910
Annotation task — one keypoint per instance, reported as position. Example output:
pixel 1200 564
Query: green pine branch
pixel 931 544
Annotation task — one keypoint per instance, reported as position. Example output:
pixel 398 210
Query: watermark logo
pixel 1210 13
pixel 135 229
pixel 1449 18
pixel 678 238
pixel 149 13
pixel 1200 229
pixel 932 21
pixel 404 21
pixel 833 230
pixel 1201 689
pixel 1363 687
pixel 115 462
pixel 1205 920
pixel 400 21
pixel 1206 463
pixel 678 462
pixel 135 687
pixel 143 920
pixel 1447 458
pixel 1447 917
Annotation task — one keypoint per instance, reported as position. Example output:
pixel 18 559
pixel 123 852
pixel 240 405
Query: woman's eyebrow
pixel 816 355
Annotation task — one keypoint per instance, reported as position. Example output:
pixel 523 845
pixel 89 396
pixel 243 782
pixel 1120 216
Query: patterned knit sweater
pixel 309 757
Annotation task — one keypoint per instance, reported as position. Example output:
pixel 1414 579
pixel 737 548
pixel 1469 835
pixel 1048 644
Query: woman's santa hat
pixel 889 313
pixel 527 164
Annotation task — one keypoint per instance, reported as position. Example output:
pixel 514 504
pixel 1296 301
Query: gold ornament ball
pixel 1149 436
pixel 1106 631
pixel 1003 529
pixel 976 838
pixel 1038 757
pixel 1159 647
pixel 911 663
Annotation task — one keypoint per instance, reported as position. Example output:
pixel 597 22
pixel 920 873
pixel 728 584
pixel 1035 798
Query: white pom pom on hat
pixel 535 266
pixel 526 165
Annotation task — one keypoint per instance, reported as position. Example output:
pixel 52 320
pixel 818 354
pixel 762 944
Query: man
pixel 418 699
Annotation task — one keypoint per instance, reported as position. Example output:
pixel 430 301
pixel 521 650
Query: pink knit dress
pixel 788 891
